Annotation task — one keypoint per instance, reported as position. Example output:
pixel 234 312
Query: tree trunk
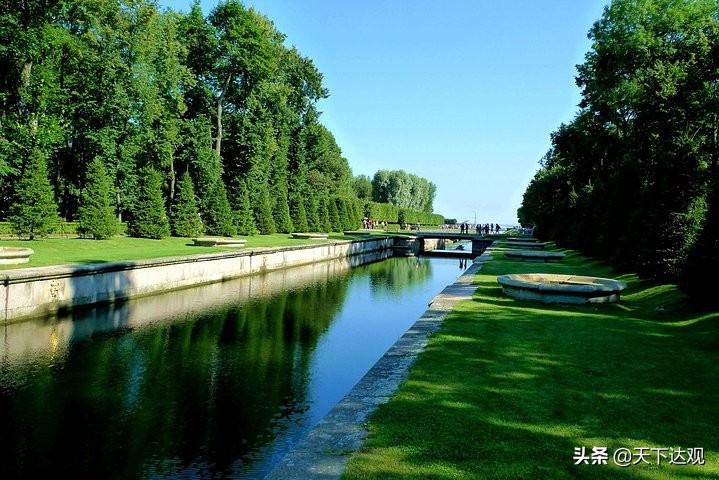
pixel 220 100
pixel 173 180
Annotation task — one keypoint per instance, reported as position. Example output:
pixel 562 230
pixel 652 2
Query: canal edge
pixel 323 453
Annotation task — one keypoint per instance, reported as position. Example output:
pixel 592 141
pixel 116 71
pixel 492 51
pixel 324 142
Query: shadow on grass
pixel 509 389
pixel 512 397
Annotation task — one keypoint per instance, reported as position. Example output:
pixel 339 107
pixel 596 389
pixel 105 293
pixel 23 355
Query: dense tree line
pixel 404 190
pixel 633 177
pixel 175 123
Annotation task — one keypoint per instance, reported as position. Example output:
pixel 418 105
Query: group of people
pixel 368 223
pixel 487 228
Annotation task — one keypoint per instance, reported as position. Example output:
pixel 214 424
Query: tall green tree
pixel 312 208
pixel 281 209
pixel 184 212
pixel 242 208
pixel 149 217
pixel 333 212
pixel 298 214
pixel 262 209
pixel 231 54
pixel 323 213
pixel 629 177
pixel 362 187
pixel 403 189
pixel 218 217
pixel 34 211
pixel 96 215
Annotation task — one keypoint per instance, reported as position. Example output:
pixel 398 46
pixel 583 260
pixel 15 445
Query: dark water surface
pixel 217 381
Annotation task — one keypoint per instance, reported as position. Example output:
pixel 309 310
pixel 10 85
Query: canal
pixel 216 381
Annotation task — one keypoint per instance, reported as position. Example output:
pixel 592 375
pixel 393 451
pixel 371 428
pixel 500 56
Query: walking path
pixel 324 452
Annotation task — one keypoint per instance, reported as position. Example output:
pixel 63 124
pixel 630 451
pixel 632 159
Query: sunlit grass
pixel 508 389
pixel 63 251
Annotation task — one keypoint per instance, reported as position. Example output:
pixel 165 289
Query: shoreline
pixel 325 450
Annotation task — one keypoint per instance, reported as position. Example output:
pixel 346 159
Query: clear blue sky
pixel 464 93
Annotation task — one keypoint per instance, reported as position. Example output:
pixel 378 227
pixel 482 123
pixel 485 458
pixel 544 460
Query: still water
pixel 217 381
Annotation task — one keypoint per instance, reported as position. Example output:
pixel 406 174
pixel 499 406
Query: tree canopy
pixel 218 97
pixel 631 177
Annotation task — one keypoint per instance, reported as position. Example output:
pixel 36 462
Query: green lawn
pixel 509 389
pixel 61 251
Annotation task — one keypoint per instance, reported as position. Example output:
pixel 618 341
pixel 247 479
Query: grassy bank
pixel 510 389
pixel 63 251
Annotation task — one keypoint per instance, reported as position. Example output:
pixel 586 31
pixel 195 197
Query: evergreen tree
pixel 281 210
pixel 262 209
pixel 334 215
pixel 355 213
pixel 343 213
pixel 244 218
pixel 34 212
pixel 96 214
pixel 298 214
pixel 323 213
pixel 184 214
pixel 219 215
pixel 312 208
pixel 402 218
pixel 149 219
pixel 703 258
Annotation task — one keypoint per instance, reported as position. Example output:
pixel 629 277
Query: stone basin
pixel 220 242
pixel 534 256
pixel 561 288
pixel 316 236
pixel 534 245
pixel 14 255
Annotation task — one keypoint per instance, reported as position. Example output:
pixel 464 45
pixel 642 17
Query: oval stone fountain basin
pixel 533 256
pixel 314 236
pixel 12 255
pixel 561 288
pixel 220 242
pixel 521 244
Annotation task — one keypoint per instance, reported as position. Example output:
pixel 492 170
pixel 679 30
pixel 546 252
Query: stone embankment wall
pixel 33 292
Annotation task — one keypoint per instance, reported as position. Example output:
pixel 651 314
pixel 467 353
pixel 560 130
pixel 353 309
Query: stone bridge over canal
pixel 479 242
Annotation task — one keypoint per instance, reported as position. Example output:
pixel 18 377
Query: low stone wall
pixel 39 340
pixel 33 292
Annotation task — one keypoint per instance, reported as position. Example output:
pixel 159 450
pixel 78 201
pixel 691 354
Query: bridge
pixel 479 242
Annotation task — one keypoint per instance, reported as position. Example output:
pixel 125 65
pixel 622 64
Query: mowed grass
pixel 64 251
pixel 509 389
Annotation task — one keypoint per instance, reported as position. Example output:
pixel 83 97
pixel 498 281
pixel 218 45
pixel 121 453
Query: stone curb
pixel 324 451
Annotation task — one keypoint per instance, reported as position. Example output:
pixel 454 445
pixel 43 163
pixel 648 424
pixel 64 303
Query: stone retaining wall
pixel 33 292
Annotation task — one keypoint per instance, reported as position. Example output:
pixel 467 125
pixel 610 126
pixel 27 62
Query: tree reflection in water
pixel 217 381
